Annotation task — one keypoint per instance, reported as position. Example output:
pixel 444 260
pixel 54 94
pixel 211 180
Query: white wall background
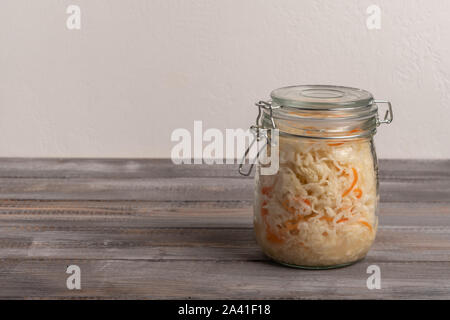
pixel 138 69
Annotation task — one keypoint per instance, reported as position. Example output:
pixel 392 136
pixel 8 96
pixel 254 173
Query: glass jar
pixel 319 210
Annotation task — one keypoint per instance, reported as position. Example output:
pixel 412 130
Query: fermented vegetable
pixel 319 209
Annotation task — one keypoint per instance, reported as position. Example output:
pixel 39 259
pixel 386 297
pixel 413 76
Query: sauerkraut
pixel 319 210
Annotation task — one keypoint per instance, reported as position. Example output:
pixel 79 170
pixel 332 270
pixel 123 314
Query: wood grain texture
pixel 219 279
pixel 160 180
pixel 149 229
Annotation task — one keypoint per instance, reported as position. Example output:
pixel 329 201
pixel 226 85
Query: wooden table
pixel 149 229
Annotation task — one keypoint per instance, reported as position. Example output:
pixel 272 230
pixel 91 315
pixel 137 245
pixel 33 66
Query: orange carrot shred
pixel 358 192
pixel 335 144
pixel 329 219
pixel 366 224
pixel 309 131
pixel 264 212
pixel 272 237
pixel 266 191
pixel 342 220
pixel 286 206
pixel 291 226
pixel 355 179
pixel 293 223
pixel 298 199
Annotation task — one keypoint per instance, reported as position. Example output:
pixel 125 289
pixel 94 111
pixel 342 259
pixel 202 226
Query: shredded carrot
pixel 293 223
pixel 264 212
pixel 266 191
pixel 342 220
pixel 343 209
pixel 273 237
pixel 366 224
pixel 358 192
pixel 335 144
pixel 309 131
pixel 291 226
pixel 286 206
pixel 298 199
pixel 355 179
pixel 329 219
pixel 270 235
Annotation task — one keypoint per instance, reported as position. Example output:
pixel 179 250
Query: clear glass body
pixel 320 209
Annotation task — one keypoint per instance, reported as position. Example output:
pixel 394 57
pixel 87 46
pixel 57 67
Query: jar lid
pixel 321 97
pixel 318 112
pixel 322 112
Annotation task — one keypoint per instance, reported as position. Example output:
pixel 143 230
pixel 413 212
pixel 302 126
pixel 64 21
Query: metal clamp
pixel 255 130
pixel 388 116
pixel 266 105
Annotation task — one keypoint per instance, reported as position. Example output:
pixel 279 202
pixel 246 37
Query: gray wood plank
pixel 219 280
pixel 190 189
pixel 160 180
pixel 207 214
pixel 414 169
pixel 415 191
pixel 64 168
pixel 143 228
pixel 154 189
pixel 393 244
pixel 195 231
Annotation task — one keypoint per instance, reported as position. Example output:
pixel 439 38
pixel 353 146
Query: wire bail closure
pixel 255 129
pixel 267 106
pixel 388 116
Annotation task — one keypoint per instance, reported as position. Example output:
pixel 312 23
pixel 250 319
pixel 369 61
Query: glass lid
pixel 321 97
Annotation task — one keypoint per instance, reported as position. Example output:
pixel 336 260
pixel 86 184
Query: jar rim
pixel 336 112
pixel 322 112
pixel 321 98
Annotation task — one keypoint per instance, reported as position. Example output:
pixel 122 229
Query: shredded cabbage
pixel 320 208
